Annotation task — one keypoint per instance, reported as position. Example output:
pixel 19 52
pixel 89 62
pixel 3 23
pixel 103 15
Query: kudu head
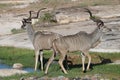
pixel 25 22
pixel 28 20
pixel 100 23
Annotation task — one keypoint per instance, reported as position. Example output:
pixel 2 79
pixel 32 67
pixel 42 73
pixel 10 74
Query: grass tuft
pixel 47 17
pixel 15 31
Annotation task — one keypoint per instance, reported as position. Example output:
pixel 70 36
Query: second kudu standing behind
pixel 40 40
pixel 81 41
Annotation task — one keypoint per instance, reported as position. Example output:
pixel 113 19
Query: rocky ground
pixel 10 72
pixel 110 41
pixel 87 77
pixel 80 22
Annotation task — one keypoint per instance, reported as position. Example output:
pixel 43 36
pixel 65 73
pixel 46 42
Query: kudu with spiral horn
pixel 80 41
pixel 40 40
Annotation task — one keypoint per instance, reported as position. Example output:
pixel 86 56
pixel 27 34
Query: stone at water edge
pixel 17 66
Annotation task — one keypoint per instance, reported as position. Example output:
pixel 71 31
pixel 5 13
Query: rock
pixel 10 72
pixel 31 78
pixel 104 79
pixel 87 77
pixel 96 77
pixel 17 66
pixel 45 78
pixel 72 58
pixel 74 0
pixel 62 78
pixel 76 78
pixel 116 62
pixel 62 18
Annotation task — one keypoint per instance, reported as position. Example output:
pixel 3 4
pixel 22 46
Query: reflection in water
pixel 4 66
pixel 29 69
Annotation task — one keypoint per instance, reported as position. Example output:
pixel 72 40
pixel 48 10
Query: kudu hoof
pixel 66 73
pixel 84 71
pixel 89 69
pixel 45 74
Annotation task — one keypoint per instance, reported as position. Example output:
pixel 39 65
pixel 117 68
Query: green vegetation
pixel 2 6
pixel 15 31
pixel 95 17
pixel 10 55
pixel 84 2
pixel 8 5
pixel 98 2
pixel 47 17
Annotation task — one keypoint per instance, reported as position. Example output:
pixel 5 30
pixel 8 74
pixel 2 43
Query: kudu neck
pixel 30 31
pixel 96 35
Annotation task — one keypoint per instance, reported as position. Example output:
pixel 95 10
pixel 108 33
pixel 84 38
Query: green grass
pixel 15 31
pixel 84 2
pixel 2 6
pixel 8 5
pixel 10 55
pixel 47 17
pixel 98 2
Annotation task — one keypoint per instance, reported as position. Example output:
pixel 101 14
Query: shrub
pixel 15 31
pixel 47 17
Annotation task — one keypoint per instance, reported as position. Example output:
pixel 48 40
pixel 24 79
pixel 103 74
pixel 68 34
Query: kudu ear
pixel 24 20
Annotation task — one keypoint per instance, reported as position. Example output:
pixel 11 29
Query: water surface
pixel 4 66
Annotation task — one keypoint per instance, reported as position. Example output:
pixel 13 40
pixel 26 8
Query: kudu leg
pixel 49 62
pixel 62 57
pixel 41 59
pixel 83 62
pixel 89 58
pixel 36 59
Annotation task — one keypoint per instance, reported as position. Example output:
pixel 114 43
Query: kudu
pixel 80 41
pixel 40 40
